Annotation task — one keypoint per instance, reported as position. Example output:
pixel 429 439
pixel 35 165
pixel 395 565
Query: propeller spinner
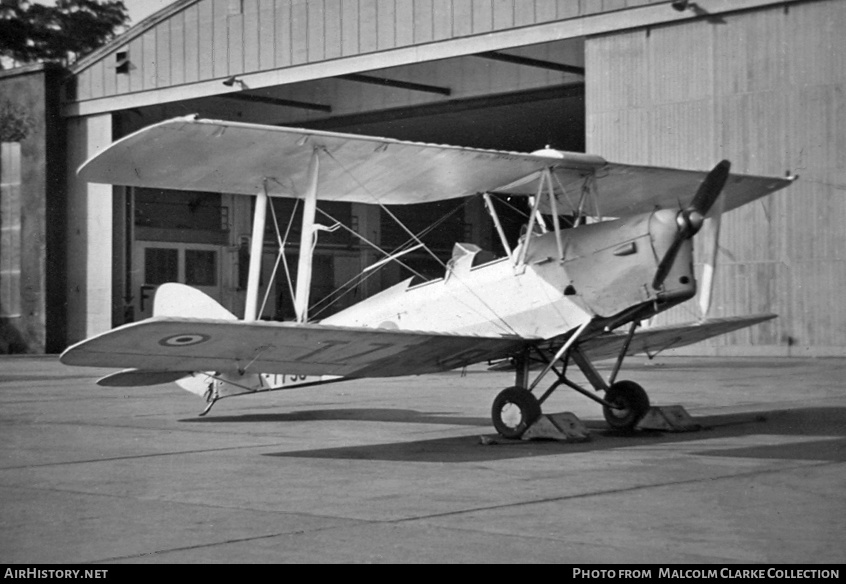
pixel 690 219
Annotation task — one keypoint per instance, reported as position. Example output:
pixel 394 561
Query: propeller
pixel 690 219
pixel 711 235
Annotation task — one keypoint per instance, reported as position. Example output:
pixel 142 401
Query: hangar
pixel 760 82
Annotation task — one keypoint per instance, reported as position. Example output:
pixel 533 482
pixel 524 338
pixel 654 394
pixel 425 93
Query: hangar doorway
pixel 523 100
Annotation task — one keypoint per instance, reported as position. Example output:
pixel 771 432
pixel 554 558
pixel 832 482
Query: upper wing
pixel 230 157
pixel 238 158
pixel 621 190
pixel 185 344
pixel 656 339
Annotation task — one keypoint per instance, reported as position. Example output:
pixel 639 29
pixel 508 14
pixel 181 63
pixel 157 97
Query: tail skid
pixel 223 386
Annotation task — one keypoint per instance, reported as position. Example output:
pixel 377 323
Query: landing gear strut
pixel 516 408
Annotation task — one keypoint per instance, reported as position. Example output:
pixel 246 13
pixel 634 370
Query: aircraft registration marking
pixel 368 348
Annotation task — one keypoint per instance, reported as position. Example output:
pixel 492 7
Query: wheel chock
pixel 564 426
pixel 668 419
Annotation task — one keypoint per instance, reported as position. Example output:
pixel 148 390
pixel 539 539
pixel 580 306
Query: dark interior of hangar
pixel 522 121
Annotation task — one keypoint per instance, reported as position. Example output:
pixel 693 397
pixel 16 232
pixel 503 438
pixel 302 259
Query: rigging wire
pixel 341 292
pixel 424 246
pixel 507 203
pixel 284 257
pixel 280 254
pixel 384 208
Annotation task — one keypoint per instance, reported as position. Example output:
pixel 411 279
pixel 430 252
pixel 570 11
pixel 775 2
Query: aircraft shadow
pixel 825 423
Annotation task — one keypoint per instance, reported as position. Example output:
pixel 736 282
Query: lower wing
pixel 656 339
pixel 167 344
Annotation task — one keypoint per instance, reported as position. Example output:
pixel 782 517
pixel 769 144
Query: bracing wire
pixel 341 291
pixel 563 190
pixel 423 245
pixel 384 208
pixel 508 204
pixel 280 256
pixel 282 253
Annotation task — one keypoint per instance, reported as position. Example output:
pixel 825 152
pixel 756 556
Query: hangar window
pixel 161 265
pixel 122 62
pixel 166 215
pixel 200 267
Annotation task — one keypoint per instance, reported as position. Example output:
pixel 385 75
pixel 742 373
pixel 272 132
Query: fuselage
pixel 605 276
pixel 606 273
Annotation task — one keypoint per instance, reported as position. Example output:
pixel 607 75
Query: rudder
pixel 174 299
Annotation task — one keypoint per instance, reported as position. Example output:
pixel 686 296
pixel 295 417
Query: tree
pixel 15 122
pixel 32 33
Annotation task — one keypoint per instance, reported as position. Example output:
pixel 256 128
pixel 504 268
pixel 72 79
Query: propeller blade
pixel 709 266
pixel 667 261
pixel 710 188
pixel 711 234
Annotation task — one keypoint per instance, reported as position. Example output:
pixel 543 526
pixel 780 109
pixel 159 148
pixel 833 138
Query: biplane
pixel 565 293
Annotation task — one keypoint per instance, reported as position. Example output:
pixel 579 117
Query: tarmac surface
pixel 409 470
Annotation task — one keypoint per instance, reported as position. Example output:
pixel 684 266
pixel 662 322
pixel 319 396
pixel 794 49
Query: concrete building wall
pixel 89 242
pixel 32 320
pixel 766 89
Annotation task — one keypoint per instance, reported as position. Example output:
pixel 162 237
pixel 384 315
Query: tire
pixel 513 411
pixel 634 401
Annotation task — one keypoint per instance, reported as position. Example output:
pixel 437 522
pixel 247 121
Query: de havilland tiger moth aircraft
pixel 558 296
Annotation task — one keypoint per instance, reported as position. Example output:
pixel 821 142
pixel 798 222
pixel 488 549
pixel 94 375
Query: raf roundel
pixel 184 340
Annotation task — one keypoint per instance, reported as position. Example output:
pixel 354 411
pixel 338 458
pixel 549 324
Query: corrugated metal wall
pixel 218 38
pixel 767 90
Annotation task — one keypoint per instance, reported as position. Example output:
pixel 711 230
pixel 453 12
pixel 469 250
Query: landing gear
pixel 514 410
pixel 631 403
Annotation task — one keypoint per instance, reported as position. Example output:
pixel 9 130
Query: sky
pixel 138 9
pixel 141 9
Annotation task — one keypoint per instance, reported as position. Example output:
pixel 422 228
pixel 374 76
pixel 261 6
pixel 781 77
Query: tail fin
pixel 174 299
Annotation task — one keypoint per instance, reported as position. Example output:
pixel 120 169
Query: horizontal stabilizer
pixel 140 378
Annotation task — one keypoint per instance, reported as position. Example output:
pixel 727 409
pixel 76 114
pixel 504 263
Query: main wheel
pixel 513 411
pixel 632 401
